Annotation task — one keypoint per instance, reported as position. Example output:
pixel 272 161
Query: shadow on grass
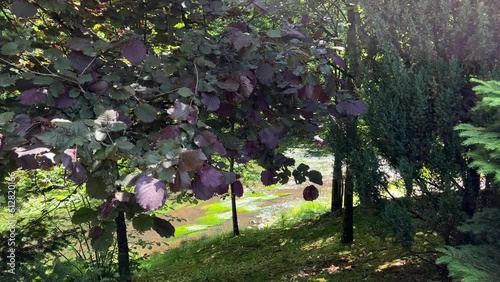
pixel 308 250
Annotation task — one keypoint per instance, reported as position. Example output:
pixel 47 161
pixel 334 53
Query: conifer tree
pixel 416 80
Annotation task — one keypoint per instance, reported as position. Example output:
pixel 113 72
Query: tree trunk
pixel 236 229
pixel 123 250
pixel 472 184
pixel 351 125
pixel 337 192
pixel 348 230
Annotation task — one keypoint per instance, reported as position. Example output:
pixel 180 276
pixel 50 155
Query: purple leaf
pixel 229 85
pixel 1 140
pixel 26 158
pixel 319 94
pixel 23 9
pixel 64 101
pixel 311 106
pixel 170 132
pixel 236 27
pixel 310 193
pixel 333 111
pixel 69 158
pixel 251 148
pixel 27 162
pixel 134 51
pixel 78 174
pixel 315 177
pixel 219 148
pixel 258 4
pixel 201 191
pixel 32 96
pixel 306 92
pixel 271 136
pixel 192 117
pixel 182 181
pixel 225 110
pixel 205 139
pixel 292 32
pixel 242 40
pixel 222 189
pixel 180 111
pixel 269 177
pixel 150 193
pixel 164 228
pixel 24 124
pixel 211 101
pixel 260 102
pixel 305 20
pixel 264 74
pixel 292 78
pixel 338 60
pixel 237 188
pixel 253 116
pixel 95 232
pixel 78 43
pixel 124 118
pixel 352 107
pixel 191 160
pixel 107 208
pixel 210 176
pixel 47 160
pixel 81 62
pixel 306 114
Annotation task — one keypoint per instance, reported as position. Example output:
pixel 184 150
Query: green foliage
pixel 485 137
pixel 370 179
pixel 479 261
pixel 47 245
pixel 416 69
pixel 398 219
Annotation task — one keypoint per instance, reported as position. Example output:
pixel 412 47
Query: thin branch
pixel 85 69
pixel 51 74
pixel 166 93
pixel 8 18
pixel 197 79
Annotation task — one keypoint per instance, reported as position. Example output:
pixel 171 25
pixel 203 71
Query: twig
pixel 166 93
pixel 51 74
pixel 197 79
pixel 85 69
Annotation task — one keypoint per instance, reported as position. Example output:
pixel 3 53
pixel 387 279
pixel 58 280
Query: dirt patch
pixel 268 206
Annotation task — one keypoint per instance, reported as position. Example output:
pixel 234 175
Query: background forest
pixel 111 111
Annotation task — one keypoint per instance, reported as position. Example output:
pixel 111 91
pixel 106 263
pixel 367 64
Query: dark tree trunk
pixel 123 250
pixel 236 229
pixel 472 184
pixel 337 192
pixel 348 230
pixel 350 127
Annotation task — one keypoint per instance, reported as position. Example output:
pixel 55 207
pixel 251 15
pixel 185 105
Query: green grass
pixel 188 229
pixel 218 207
pixel 210 219
pixel 307 210
pixel 309 250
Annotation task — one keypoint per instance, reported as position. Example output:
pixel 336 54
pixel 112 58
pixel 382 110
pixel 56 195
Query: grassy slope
pixel 308 250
